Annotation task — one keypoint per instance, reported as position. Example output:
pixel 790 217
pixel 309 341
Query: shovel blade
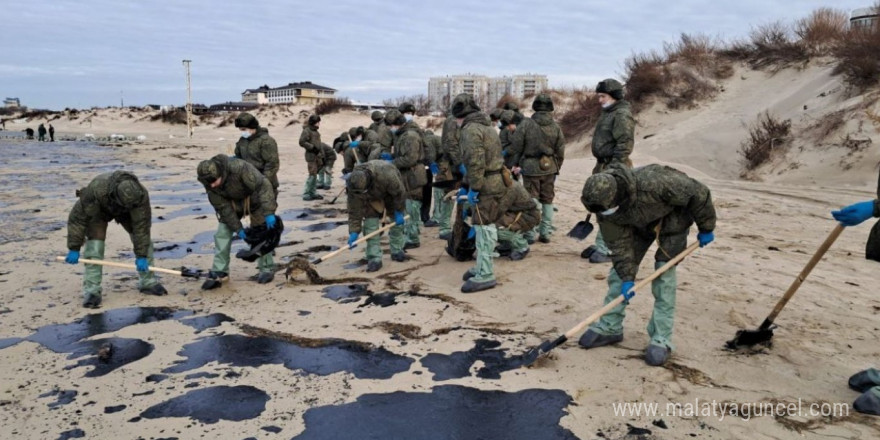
pixel 191 273
pixel 748 338
pixel 581 230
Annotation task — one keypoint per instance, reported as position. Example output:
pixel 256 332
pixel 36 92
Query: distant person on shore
pixel 29 132
pixel 258 148
pixel 51 133
pixel 41 131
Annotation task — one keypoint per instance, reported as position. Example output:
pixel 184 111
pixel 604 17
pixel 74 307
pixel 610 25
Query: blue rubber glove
pixel 241 234
pixel 855 214
pixel 504 153
pixel 72 257
pixel 398 218
pixel 271 221
pixel 464 214
pixel 461 192
pixel 233 157
pixel 352 237
pixel 462 169
pixel 141 264
pixel 627 292
pixel 386 156
pixel 472 232
pixel 354 144
pixel 473 197
pixel 705 238
pixel 435 169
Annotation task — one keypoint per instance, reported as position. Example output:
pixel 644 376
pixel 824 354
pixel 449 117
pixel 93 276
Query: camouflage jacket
pixel 329 155
pixel 363 152
pixel 433 145
pixel 519 212
pixel 383 132
pixel 506 137
pixel 240 182
pixel 481 151
pixel 386 190
pixel 98 202
pixel 339 142
pixel 408 156
pixel 310 140
pixel 613 138
pixel 655 200
pixel 261 151
pixel 449 140
pixel 534 137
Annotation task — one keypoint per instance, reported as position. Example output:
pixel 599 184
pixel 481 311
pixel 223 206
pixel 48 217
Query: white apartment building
pixel 487 91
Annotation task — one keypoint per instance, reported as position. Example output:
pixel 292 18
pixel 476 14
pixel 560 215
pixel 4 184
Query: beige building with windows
pixel 864 18
pixel 302 93
pixel 487 91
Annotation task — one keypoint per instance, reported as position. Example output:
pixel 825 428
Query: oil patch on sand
pixel 446 413
pixel 458 364
pixel 210 405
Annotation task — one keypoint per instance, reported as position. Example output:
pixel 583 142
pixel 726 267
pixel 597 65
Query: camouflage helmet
pixel 496 114
pixel 510 105
pixel 407 107
pixel 353 132
pixel 130 193
pixel 376 116
pixel 543 103
pixel 599 193
pixel 208 172
pixel 359 181
pixel 246 120
pixel 610 87
pixel 463 105
pixel 429 132
pixel 510 117
pixel 314 119
pixel 394 117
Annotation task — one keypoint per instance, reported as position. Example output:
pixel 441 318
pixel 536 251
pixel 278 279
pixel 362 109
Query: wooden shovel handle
pixel 832 237
pixel 595 316
pixel 121 265
pixel 358 241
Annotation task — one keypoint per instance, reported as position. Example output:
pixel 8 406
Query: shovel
pixel 184 272
pixel 337 196
pixel 532 355
pixel 764 333
pixel 582 229
pixel 359 241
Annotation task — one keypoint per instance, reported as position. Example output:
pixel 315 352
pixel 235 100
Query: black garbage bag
pixel 459 246
pixel 872 249
pixel 262 240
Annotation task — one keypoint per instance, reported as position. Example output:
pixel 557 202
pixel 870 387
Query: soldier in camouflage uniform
pixel 310 140
pixel 433 148
pixel 495 117
pixel 521 214
pixel 360 148
pixel 235 189
pixel 383 133
pixel 635 208
pixel 448 162
pixel 481 154
pixel 408 157
pixel 111 196
pixel 509 120
pixel 325 174
pixel 374 189
pixel 866 382
pixel 258 148
pixel 537 151
pixel 612 143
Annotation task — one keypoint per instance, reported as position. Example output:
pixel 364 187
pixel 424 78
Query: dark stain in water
pixel 458 364
pixel 446 413
pixel 321 357
pixel 306 214
pixel 123 352
pixel 114 409
pixel 210 405
pixel 9 342
pixel 201 323
pixel 345 294
pixel 194 209
pixel 62 397
pixel 325 226
pixel 201 375
pixel 73 433
pixel 201 244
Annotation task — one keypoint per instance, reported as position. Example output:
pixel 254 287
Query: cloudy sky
pixel 82 53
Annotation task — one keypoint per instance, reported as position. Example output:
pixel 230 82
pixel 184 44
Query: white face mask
pixel 408 117
pixel 607 104
pixel 609 211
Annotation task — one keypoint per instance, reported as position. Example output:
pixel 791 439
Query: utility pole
pixel 189 108
pixel 121 100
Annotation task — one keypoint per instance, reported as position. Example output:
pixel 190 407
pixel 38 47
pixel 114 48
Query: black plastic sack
pixel 262 240
pixel 872 249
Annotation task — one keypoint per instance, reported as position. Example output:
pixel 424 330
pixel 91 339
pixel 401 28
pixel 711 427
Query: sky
pixel 83 53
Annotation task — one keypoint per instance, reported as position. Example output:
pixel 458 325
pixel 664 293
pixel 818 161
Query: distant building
pixel 302 93
pixel 200 109
pixel 864 18
pixel 11 103
pixel 233 107
pixel 487 91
